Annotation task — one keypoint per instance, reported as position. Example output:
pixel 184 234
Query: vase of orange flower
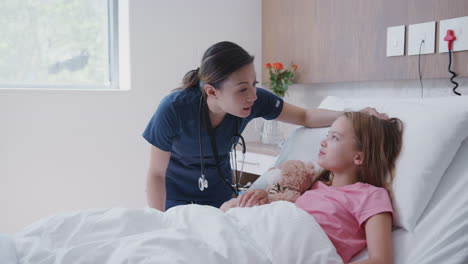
pixel 280 80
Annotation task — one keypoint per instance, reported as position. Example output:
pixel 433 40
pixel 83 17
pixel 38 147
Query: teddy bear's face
pixel 295 180
pixel 295 175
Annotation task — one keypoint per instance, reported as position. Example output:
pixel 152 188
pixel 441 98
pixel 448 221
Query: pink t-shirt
pixel 341 212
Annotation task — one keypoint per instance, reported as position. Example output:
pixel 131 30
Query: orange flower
pixel 280 78
pixel 278 65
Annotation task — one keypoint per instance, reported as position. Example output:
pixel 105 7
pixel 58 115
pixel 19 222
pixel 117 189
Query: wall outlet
pixel 460 27
pixel 418 33
pixel 396 41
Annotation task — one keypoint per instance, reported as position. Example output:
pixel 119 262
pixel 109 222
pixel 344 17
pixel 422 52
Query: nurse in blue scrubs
pixel 215 103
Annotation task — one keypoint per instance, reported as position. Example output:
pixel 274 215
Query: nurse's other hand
pixel 253 197
pixel 373 112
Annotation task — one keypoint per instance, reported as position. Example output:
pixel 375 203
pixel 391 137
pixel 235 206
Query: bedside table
pixel 258 158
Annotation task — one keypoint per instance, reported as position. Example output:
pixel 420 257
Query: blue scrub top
pixel 174 127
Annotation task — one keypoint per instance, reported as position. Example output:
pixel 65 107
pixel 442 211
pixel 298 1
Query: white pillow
pixel 434 130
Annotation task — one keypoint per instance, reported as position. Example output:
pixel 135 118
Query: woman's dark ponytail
pixel 218 62
pixel 191 79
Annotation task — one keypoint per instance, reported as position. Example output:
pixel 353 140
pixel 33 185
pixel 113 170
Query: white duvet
pixel 275 233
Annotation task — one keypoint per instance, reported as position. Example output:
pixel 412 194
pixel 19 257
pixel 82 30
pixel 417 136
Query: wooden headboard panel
pixel 345 40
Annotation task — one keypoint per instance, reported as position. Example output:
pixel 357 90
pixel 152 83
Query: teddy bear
pixel 286 182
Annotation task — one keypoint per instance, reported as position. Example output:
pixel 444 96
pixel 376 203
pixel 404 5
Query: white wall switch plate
pixel 396 41
pixel 460 27
pixel 418 33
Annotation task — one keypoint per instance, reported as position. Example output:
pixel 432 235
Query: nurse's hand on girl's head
pixel 373 112
pixel 252 197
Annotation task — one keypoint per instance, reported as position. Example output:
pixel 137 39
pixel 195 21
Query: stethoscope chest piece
pixel 202 183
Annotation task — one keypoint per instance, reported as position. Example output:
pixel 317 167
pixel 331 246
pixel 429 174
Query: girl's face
pixel 338 152
pixel 239 92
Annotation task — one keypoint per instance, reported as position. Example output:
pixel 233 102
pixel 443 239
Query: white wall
pixel 70 150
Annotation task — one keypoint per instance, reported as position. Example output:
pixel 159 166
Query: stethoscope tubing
pixel 202 181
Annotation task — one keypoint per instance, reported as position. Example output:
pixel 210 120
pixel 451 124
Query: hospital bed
pixel 430 188
pixel 429 196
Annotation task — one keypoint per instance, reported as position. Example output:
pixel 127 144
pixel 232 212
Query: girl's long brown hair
pixel 380 141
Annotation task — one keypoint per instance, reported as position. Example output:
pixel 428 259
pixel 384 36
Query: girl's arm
pixel 379 239
pixel 316 117
pixel 156 179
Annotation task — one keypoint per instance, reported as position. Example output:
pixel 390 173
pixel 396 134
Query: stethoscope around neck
pixel 236 140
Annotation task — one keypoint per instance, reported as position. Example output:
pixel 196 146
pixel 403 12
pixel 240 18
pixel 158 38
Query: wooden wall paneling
pixel 336 40
pixel 281 28
pixel 435 65
pixel 359 29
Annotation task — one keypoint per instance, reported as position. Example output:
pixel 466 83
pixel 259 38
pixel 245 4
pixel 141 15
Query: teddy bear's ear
pixel 273 175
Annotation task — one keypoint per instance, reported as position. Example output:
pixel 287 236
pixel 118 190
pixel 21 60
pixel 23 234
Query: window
pixel 69 44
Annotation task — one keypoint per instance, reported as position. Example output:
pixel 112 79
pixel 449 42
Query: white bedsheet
pixel 275 233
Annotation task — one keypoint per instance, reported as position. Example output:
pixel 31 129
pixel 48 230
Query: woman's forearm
pixel 307 117
pixel 320 117
pixel 156 192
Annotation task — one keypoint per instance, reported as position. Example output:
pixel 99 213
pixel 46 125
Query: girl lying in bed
pixel 350 199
